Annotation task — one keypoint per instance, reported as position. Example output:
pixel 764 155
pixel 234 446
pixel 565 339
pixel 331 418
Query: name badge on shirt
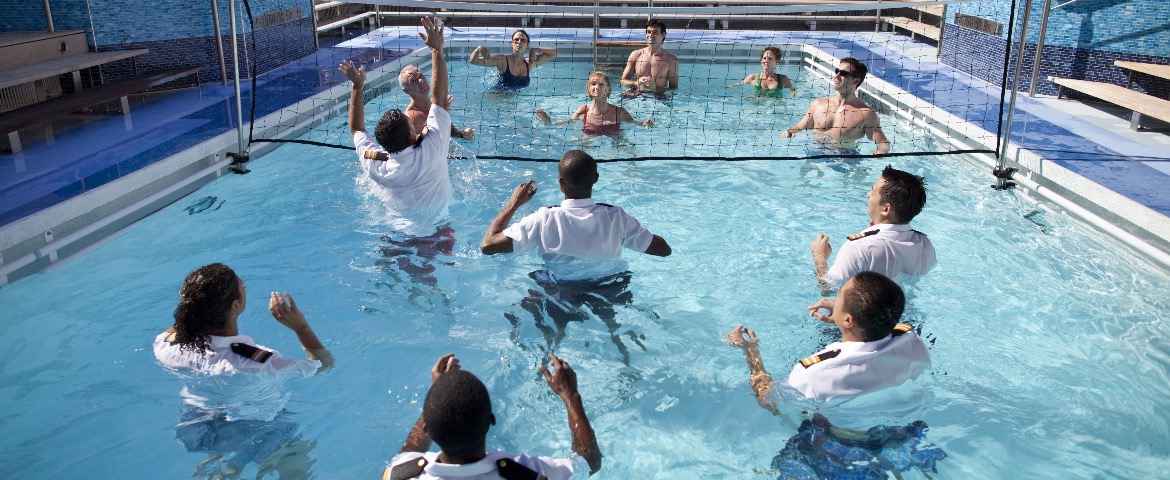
pixel 252 352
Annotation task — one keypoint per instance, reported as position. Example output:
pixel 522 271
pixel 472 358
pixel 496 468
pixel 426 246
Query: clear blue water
pixel 1051 343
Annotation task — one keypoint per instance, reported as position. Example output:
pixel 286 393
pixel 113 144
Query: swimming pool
pixel 1051 345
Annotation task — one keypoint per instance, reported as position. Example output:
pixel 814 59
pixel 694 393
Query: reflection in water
pixel 821 450
pixel 274 446
pixel 563 301
pixel 416 257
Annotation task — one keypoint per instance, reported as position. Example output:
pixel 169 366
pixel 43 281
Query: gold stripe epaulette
pixel 818 358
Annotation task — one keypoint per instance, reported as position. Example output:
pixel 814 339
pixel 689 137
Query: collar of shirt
pixel 485 465
pixel 860 346
pixel 577 203
pixel 891 227
pixel 225 343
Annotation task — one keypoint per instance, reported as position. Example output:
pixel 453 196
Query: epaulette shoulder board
pixel 818 358
pixel 510 470
pixel 251 352
pixel 861 235
pixel 408 470
pixel 604 204
pixel 902 328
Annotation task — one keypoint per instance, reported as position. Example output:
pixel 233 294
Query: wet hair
pixel 905 192
pixel 657 24
pixel 859 69
pixel 458 413
pixel 600 74
pixel 521 30
pixel 875 302
pixel 775 51
pixel 578 169
pixel 393 131
pixel 205 302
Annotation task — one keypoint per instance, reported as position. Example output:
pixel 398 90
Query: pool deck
pixel 1080 139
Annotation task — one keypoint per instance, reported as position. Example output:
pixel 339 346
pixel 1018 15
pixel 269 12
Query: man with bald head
pixel 414 85
pixel 581 244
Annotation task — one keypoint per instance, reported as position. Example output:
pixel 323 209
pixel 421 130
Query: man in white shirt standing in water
pixel 888 246
pixel 408 166
pixel 581 242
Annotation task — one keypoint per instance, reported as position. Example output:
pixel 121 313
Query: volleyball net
pixel 740 80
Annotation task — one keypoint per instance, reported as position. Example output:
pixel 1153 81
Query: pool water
pixel 1050 342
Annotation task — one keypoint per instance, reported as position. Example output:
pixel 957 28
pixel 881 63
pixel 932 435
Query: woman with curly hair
pixel 232 386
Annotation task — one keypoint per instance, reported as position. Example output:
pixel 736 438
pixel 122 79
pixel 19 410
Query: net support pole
pixel 596 29
pixel 1001 159
pixel 1039 48
pixel 242 153
pixel 219 41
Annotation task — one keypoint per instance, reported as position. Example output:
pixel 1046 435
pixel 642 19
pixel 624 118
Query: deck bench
pixel 45 112
pixel 1136 102
pixel 1152 69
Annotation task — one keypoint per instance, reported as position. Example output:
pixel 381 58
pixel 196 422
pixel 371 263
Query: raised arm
pixel 357 116
pixel 284 309
pixel 744 338
pixel 482 57
pixel 822 249
pixel 494 241
pixel 541 56
pixel 432 35
pixel 563 382
pixel 418 440
pixel 873 130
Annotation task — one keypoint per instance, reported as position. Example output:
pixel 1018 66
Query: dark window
pixel 979 23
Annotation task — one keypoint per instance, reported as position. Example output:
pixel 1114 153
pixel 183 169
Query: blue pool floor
pixel 98 152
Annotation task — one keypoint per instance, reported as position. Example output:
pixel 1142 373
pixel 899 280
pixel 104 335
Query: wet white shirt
pixel 579 238
pixel 849 369
pixel 574 467
pixel 220 381
pixel 895 251
pixel 414 183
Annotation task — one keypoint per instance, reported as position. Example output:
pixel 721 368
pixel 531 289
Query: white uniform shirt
pixel 415 184
pixel 485 469
pixel 895 251
pixel 861 367
pixel 222 382
pixel 579 238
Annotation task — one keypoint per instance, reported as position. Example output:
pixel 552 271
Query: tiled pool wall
pixel 179 33
pixel 1082 41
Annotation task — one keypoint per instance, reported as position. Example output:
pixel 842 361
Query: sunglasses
pixel 843 73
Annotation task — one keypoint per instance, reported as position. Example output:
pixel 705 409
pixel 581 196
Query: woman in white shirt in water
pixel 232 386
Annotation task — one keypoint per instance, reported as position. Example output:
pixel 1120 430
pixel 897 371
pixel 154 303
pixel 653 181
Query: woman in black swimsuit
pixel 514 68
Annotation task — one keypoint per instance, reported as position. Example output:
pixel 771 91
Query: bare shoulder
pixel 670 57
pixel 637 54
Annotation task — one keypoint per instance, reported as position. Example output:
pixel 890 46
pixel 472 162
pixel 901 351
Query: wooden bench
pixel 1138 103
pixel 914 26
pixel 45 112
pixel 1152 69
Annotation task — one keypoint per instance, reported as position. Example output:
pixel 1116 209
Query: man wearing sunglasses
pixel 841 120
